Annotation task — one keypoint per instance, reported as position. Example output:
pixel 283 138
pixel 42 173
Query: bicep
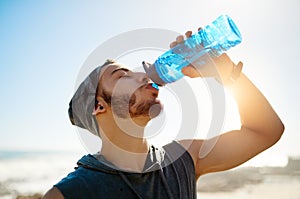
pixel 53 193
pixel 227 150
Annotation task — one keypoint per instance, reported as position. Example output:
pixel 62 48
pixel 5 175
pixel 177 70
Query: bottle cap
pixel 152 74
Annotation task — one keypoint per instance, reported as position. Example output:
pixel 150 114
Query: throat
pixel 126 148
pixel 130 159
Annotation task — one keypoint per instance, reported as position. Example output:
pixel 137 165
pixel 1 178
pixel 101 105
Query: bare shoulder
pixel 53 193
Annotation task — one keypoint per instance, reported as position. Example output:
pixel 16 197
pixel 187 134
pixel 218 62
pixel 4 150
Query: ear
pixel 101 107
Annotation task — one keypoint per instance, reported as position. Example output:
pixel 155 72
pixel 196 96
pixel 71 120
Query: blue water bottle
pixel 213 40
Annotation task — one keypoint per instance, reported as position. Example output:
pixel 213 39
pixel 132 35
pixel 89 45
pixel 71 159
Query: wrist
pixel 234 75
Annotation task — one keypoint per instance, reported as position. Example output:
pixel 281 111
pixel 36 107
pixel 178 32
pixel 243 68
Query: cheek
pixel 140 97
pixel 125 91
pixel 125 88
pixel 136 100
pixel 132 100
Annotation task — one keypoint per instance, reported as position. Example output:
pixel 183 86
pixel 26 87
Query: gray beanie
pixel 83 102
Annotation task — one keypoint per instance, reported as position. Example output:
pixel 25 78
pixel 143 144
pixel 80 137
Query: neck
pixel 129 155
pixel 124 147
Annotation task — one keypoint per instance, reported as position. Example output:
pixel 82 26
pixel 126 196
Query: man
pixel 116 104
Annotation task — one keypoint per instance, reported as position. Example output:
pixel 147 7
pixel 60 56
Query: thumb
pixel 190 72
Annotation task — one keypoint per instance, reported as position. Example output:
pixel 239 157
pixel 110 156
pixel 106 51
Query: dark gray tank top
pixel 168 173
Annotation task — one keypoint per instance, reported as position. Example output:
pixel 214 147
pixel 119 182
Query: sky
pixel 43 45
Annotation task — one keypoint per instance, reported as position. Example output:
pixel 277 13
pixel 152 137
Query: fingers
pixel 180 38
pixel 173 44
pixel 188 34
pixel 190 71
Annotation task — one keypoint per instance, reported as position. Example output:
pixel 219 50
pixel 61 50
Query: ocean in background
pixel 252 183
pixel 28 173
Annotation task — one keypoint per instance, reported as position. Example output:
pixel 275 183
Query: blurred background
pixel 43 45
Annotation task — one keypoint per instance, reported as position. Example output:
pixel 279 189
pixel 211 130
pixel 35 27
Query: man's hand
pixel 219 67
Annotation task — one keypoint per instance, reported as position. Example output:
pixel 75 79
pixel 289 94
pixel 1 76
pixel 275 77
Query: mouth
pixel 153 88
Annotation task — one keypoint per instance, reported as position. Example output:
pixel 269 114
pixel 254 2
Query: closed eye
pixel 120 72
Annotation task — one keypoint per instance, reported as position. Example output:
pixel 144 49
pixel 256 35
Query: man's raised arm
pixel 260 125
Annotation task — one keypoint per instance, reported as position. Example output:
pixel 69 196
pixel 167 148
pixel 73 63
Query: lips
pixel 149 86
pixel 153 90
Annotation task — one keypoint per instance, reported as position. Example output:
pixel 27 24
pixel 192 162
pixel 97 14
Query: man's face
pixel 131 93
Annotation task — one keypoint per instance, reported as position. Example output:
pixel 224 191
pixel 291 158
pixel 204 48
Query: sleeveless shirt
pixel 169 172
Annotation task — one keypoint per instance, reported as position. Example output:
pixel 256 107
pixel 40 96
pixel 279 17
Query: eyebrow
pixel 118 69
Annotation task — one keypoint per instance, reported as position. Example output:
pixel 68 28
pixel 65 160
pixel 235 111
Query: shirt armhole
pixel 176 149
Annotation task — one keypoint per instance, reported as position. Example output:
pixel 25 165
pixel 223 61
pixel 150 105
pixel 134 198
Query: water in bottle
pixel 213 40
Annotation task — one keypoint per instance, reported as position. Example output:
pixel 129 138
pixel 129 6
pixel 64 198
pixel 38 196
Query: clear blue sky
pixel 44 43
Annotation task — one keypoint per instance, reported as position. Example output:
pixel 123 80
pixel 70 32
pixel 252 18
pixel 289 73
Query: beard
pixel 126 106
pixel 151 108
